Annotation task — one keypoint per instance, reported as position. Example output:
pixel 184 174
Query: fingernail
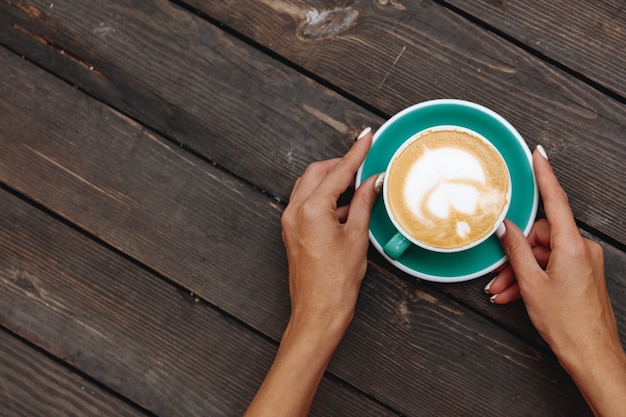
pixel 364 132
pixel 378 185
pixel 501 230
pixel 493 298
pixel 542 151
pixel 486 289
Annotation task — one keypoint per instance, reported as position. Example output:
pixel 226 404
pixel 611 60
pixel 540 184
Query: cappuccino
pixel 447 189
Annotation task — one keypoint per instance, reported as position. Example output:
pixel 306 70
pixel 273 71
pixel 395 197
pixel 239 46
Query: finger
pixel 362 203
pixel 352 183
pixel 539 240
pixel 341 175
pixel 342 213
pixel 519 252
pixel 540 234
pixel 555 200
pixel 510 294
pixel 501 282
pixel 542 255
pixel 502 267
pixel 311 179
pixel 506 275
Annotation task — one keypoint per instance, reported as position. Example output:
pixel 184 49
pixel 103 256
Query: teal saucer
pixel 484 258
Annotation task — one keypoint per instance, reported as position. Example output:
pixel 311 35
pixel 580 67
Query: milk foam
pixel 447 188
pixel 446 179
pixel 463 229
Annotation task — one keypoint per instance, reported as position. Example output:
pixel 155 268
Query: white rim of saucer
pixel 525 149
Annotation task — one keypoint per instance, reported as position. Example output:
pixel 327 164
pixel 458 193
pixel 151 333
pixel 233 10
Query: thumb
pixel 362 202
pixel 518 252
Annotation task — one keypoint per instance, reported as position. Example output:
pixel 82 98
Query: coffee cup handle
pixel 396 246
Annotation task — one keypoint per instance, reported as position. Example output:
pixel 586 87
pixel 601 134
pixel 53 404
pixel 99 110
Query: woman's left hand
pixel 327 253
pixel 327 245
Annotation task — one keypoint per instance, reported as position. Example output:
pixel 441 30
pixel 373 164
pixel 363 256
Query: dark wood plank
pixel 153 201
pixel 241 109
pixel 392 55
pixel 588 37
pixel 34 385
pixel 294 158
pixel 194 83
pixel 411 348
pixel 130 330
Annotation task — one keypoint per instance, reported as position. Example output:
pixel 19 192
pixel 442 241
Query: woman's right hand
pixel 560 277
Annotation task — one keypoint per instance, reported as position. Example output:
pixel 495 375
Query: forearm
pixel 602 381
pixel 292 381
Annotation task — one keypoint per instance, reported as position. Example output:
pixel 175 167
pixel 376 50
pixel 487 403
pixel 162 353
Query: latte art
pixel 444 180
pixel 447 188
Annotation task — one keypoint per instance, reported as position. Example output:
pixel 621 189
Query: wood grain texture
pixel 409 347
pixel 33 385
pixel 256 68
pixel 202 88
pixel 139 335
pixel 392 55
pixel 588 37
pixel 192 82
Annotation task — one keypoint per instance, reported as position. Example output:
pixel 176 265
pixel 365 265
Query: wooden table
pixel 148 149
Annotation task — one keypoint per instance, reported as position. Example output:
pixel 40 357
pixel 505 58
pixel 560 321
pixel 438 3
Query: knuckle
pixel 310 209
pixel 287 219
pixel 305 213
pixel 577 249
pixel 595 249
pixel 315 168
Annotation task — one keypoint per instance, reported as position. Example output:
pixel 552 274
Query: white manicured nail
pixel 493 298
pixel 364 132
pixel 489 285
pixel 378 185
pixel 501 230
pixel 542 151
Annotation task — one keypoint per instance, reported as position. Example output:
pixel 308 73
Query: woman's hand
pixel 327 245
pixel 560 277
pixel 327 254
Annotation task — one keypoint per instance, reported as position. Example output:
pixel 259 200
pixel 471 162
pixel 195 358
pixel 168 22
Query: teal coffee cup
pixel 458 262
pixel 446 189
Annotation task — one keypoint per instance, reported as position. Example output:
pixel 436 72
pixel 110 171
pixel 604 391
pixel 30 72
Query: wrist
pixel 600 375
pixel 319 332
pixel 598 353
pixel 601 361
pixel 303 355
